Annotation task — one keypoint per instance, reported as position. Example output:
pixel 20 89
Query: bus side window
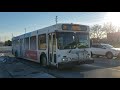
pixel 26 43
pixel 33 43
pixel 42 41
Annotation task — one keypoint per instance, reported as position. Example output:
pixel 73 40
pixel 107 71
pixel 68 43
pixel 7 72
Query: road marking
pixel 103 67
pixel 94 66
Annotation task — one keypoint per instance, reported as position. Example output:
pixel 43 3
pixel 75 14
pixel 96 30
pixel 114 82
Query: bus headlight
pixel 89 56
pixel 64 59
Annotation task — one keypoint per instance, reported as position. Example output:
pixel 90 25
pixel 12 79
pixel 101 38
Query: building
pixel 113 37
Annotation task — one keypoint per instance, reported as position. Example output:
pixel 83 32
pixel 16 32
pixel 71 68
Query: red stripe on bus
pixel 31 54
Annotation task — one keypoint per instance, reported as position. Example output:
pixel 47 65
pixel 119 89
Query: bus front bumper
pixel 73 63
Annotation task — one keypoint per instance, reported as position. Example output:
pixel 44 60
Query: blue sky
pixel 15 22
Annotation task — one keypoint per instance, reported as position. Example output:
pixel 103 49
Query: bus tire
pixel 43 60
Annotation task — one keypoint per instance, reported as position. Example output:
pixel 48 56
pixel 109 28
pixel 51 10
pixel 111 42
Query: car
pixel 105 50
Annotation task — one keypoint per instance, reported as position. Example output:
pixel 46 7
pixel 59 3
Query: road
pixel 20 68
pixel 96 70
pixel 102 68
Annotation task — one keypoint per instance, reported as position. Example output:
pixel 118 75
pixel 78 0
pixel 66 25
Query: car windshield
pixel 109 46
pixel 71 40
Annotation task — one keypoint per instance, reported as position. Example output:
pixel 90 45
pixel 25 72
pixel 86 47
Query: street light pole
pixel 25 30
pixel 56 19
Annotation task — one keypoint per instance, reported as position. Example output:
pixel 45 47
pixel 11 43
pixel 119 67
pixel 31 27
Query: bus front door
pixel 52 49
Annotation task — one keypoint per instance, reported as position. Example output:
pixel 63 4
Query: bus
pixel 58 45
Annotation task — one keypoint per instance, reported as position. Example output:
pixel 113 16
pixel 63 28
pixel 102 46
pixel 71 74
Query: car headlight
pixel 117 52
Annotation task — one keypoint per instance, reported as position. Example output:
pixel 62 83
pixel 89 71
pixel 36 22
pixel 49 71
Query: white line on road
pixel 94 66
pixel 103 67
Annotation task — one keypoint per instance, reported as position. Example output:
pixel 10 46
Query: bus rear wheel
pixel 43 60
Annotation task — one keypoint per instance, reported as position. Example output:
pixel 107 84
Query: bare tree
pixel 96 31
pixel 109 28
pixel 99 32
pixel 118 29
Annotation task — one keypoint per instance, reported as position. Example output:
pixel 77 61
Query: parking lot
pixel 10 67
pixel 20 68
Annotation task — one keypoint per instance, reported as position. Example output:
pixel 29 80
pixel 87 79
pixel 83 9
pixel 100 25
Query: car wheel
pixel 109 55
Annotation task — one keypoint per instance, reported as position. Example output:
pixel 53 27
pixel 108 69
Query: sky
pixel 16 22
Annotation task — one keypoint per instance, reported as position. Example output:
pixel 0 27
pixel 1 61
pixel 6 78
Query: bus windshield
pixel 71 40
pixel 82 40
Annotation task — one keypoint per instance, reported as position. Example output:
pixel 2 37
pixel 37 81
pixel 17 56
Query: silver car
pixel 105 50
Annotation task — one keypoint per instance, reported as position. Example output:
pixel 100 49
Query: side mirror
pixel 90 43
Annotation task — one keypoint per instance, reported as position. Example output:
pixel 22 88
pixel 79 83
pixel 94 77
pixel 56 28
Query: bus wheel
pixel 43 60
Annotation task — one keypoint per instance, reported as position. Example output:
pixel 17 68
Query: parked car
pixel 105 50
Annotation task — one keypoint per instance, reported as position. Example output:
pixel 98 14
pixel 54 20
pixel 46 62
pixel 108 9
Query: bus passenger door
pixel 52 49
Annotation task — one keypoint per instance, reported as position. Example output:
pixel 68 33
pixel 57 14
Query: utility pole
pixel 5 38
pixel 25 30
pixel 12 36
pixel 56 19
pixel 24 39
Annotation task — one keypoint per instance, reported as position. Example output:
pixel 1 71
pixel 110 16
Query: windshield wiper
pixel 71 49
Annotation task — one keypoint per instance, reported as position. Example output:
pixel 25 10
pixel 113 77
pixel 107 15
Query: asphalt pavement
pixel 20 68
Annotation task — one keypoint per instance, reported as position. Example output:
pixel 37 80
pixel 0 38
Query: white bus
pixel 58 45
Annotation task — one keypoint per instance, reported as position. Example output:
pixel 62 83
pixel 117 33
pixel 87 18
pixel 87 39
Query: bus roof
pixel 45 29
